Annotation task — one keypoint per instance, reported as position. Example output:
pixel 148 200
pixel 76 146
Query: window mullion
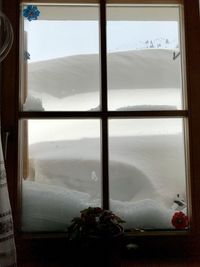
pixel 100 114
pixel 104 125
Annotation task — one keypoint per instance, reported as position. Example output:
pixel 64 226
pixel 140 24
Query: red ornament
pixel 180 220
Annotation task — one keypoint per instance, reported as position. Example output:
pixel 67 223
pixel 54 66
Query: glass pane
pixel 61 59
pixel 61 172
pixel 144 61
pixel 147 171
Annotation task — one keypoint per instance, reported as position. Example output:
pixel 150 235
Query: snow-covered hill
pixel 150 68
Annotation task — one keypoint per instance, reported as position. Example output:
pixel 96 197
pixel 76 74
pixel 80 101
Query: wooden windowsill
pixel 162 261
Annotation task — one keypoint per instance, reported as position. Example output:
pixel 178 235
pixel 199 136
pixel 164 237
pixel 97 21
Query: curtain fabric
pixel 7 244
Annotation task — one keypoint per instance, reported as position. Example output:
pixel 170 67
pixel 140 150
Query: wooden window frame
pixel 187 241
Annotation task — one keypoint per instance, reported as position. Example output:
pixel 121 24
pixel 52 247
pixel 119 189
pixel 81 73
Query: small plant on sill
pixel 95 222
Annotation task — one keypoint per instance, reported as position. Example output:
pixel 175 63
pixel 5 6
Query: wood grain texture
pixel 161 263
pixel 139 262
pixel 98 1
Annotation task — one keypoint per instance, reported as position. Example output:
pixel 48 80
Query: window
pixel 115 117
pixel 122 128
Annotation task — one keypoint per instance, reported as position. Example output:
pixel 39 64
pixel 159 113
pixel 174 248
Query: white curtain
pixel 7 244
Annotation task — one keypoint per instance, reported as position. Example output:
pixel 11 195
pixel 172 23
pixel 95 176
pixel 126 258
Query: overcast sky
pixel 52 39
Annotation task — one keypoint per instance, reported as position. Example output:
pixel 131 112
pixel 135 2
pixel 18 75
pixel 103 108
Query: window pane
pixel 62 73
pixel 144 61
pixel 147 171
pixel 64 174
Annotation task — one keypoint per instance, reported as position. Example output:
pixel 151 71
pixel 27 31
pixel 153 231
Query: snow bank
pixel 137 164
pixel 146 174
pixel 143 77
pixel 51 208
pixel 152 68
pixel 147 107
pixel 127 182
pixel 32 104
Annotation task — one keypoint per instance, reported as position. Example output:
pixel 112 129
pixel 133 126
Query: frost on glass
pixel 144 58
pixel 61 72
pixel 64 173
pixel 147 171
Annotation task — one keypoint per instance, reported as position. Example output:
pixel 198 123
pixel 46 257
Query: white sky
pixel 52 39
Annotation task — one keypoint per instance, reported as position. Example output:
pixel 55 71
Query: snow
pixel 142 188
pixel 51 208
pixel 148 107
pixel 33 104
pixel 146 159
pixel 138 77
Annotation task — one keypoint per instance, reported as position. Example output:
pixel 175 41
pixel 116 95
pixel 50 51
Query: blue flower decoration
pixel 27 55
pixel 31 12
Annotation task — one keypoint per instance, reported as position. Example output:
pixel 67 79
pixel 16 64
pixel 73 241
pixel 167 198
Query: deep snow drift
pixel 147 171
pixel 143 181
pixel 139 77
